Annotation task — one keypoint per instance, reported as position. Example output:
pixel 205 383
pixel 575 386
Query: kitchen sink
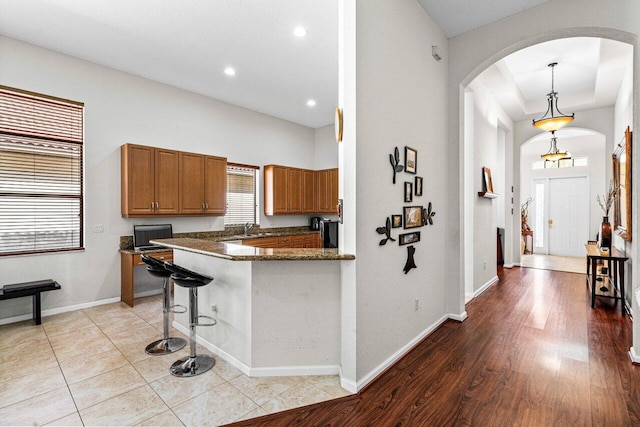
pixel 251 235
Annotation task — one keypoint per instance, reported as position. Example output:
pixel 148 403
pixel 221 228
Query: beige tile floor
pixel 556 263
pixel 88 367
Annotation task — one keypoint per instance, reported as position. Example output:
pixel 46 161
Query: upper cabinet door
pixel 192 183
pixel 215 185
pixel 309 192
pixel 333 190
pixel 167 182
pixel 138 180
pixel 294 191
pixel 323 190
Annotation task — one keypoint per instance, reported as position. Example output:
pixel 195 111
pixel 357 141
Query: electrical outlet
pixel 416 304
pixel 214 309
pixel 485 265
pixel 98 228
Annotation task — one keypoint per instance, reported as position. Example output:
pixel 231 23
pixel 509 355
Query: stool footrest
pixel 213 321
pixel 181 309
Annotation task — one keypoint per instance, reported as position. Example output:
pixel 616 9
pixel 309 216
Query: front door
pixel 568 222
pixel 561 215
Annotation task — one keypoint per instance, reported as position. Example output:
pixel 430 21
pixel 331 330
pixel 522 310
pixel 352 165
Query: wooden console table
pixel 614 258
pixel 129 260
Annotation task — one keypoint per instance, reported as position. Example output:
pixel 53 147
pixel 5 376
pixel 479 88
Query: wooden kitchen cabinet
pixel 215 185
pixel 309 191
pixel 299 191
pixel 283 190
pixel 309 240
pixel 203 184
pixel 327 186
pixel 157 181
pixel 149 181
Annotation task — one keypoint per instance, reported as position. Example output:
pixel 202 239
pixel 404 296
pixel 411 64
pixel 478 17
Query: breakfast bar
pixel 277 309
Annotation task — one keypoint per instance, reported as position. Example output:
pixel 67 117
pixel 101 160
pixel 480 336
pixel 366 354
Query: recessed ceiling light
pixel 311 103
pixel 230 71
pixel 299 32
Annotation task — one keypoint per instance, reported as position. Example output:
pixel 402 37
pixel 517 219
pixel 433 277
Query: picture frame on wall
pixel 412 216
pixel 407 238
pixel 486 176
pixel 408 192
pixel 410 160
pixel 418 186
pixel 396 221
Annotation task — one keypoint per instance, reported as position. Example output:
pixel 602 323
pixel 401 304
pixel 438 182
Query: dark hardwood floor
pixel 531 353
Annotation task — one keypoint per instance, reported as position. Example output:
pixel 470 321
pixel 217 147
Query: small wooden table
pixel 128 261
pixel 615 259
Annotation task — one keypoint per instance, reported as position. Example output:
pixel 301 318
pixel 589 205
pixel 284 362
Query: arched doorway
pixel 474 146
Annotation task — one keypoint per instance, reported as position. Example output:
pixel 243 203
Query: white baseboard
pixel 347 384
pixel 470 296
pixel 398 354
pixel 58 310
pixel 510 265
pixel 459 317
pixel 486 286
pixel 635 359
pixel 267 371
pixel 148 293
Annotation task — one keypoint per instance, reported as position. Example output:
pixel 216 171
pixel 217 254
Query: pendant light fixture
pixel 554 154
pixel 553 119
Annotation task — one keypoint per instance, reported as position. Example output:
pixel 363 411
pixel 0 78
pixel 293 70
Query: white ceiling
pixel 188 44
pixel 588 76
pixel 455 17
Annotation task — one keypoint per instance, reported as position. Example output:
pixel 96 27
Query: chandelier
pixel 553 119
pixel 554 154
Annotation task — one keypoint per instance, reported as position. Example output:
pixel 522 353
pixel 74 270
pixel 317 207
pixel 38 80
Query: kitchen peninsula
pixel 278 309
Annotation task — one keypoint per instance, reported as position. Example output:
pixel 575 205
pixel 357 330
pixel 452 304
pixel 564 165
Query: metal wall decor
pixel 386 230
pixel 410 261
pixel 412 216
pixel 395 163
pixel 427 215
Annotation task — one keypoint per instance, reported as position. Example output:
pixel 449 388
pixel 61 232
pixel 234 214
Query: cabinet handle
pixel 157 206
pixel 206 206
pixel 152 208
pixel 203 206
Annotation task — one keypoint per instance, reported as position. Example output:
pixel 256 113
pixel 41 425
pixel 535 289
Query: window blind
pixel 242 205
pixel 41 188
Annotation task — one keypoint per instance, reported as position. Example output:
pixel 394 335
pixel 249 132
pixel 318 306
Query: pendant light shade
pixel 553 119
pixel 554 153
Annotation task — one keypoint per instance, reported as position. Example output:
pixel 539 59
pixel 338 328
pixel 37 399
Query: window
pixel 242 194
pixel 563 163
pixel 41 197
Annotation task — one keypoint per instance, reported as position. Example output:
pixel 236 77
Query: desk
pixel 130 259
pixel 615 259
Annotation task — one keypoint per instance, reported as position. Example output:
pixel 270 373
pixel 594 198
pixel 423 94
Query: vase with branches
pixel 606 201
pixel 524 215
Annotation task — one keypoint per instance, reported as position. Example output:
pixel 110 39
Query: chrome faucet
pixel 247 227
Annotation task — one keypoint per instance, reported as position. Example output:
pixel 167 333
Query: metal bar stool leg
pixel 194 364
pixel 166 345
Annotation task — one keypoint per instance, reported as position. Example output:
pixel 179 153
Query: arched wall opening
pixel 468 154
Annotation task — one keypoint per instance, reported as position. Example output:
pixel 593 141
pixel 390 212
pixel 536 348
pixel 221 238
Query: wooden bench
pixel 33 289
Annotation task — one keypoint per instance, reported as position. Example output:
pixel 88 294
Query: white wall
pixel 119 108
pixel 401 100
pixel 326 148
pixel 492 130
pixel 472 52
pixel 623 117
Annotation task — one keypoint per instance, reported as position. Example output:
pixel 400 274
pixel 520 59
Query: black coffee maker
pixel 314 224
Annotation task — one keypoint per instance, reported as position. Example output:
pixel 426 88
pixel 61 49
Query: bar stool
pixel 194 364
pixel 167 344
